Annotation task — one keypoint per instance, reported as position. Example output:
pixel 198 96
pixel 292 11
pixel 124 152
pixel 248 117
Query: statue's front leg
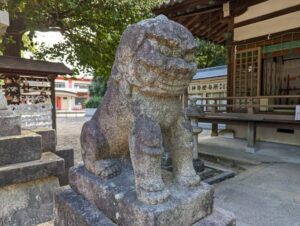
pixel 180 142
pixel 145 144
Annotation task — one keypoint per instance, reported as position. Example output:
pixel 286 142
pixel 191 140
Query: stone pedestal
pixel 95 201
pixel 29 171
pixel 10 124
pixel 20 148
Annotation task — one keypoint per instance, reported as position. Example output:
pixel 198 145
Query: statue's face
pixel 165 61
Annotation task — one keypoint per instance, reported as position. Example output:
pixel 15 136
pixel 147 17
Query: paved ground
pixel 68 132
pixel 267 193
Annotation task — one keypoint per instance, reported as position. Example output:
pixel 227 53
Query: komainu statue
pixel 142 108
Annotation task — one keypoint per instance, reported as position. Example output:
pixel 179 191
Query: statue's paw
pixel 107 168
pixel 189 181
pixel 155 197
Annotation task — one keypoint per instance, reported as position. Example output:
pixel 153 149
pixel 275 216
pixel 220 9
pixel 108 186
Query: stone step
pixel 49 165
pixel 20 148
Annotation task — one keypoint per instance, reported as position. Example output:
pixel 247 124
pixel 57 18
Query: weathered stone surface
pixel 68 156
pixel 154 64
pixel 219 217
pixel 49 140
pixel 72 209
pixel 10 124
pixel 22 148
pixel 117 199
pixel 49 165
pixel 27 204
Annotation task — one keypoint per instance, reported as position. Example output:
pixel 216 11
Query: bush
pixel 94 102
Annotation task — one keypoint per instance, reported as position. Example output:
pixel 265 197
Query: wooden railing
pixel 246 104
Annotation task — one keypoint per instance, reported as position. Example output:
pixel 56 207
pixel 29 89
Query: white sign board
pixel 297 116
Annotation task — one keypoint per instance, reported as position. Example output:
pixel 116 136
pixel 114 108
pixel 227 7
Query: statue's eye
pixel 165 50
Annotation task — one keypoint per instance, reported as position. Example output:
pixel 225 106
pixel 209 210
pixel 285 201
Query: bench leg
pixel 214 130
pixel 251 137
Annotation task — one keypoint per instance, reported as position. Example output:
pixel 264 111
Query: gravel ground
pixel 68 133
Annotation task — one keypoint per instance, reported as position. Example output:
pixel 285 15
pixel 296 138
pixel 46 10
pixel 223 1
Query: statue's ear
pixel 131 40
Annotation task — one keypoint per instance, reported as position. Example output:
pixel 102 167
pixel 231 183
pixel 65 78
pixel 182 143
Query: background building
pixel 263 43
pixel 72 93
pixel 209 82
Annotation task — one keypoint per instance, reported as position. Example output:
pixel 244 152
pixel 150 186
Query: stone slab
pixel 29 203
pixel 116 198
pixel 22 148
pixel 219 217
pixel 10 124
pixel 49 165
pixel 68 156
pixel 72 209
pixel 49 140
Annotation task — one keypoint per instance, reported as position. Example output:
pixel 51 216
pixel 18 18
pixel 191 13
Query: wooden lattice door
pixel 247 73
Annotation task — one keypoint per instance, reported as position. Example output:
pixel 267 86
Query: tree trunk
pixel 12 39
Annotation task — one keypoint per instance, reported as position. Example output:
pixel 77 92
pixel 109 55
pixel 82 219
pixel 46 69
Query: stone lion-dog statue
pixel 141 109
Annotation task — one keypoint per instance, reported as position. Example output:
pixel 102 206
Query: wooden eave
pixel 204 18
pixel 15 65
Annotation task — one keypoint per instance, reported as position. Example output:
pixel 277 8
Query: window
pixel 193 87
pixel 60 85
pixel 81 86
pixel 247 73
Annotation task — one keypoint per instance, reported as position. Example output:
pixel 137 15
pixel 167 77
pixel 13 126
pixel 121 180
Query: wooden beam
pixel 200 25
pixel 180 6
pixel 268 16
pixel 220 28
pixel 191 21
pixel 200 12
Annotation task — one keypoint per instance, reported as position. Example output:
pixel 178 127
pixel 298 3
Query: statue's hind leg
pixel 95 151
pixel 180 142
pixel 145 144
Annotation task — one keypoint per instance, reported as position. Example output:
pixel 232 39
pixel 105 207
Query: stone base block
pixel 48 139
pixel 72 209
pixel 116 198
pixel 49 165
pixel 29 203
pixel 22 148
pixel 10 124
pixel 68 156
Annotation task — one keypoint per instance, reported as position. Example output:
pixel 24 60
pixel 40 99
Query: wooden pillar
pixel 52 85
pixel 251 137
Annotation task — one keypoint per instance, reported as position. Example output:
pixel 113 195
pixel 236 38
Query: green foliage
pixel 91 28
pixel 97 91
pixel 93 102
pixel 210 54
pixel 98 87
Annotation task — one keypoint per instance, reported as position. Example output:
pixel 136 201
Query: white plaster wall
pixel 265 8
pixel 268 134
pixel 265 27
